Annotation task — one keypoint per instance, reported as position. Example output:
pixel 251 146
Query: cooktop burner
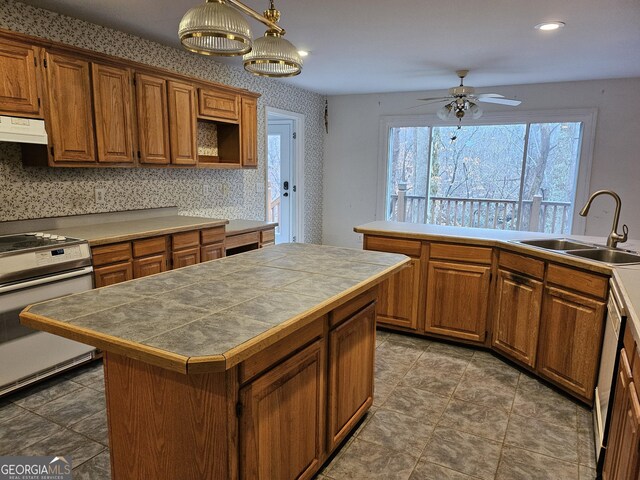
pixel 27 241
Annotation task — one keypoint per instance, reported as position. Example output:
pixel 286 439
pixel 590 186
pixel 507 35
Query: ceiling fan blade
pixel 434 99
pixel 500 101
pixel 490 95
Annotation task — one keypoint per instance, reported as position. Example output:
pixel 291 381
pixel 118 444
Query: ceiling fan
pixel 463 100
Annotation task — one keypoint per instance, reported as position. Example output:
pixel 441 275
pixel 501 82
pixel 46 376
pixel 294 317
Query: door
pixel 182 123
pixel 280 188
pixel 457 299
pixel 249 133
pixel 281 424
pixel 112 99
pixel 397 298
pixel 18 81
pixel 72 129
pixel 153 119
pixel 517 318
pixel 570 338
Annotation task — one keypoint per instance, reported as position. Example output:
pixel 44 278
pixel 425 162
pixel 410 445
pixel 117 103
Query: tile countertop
pixel 216 313
pixel 236 227
pixel 626 276
pixel 122 231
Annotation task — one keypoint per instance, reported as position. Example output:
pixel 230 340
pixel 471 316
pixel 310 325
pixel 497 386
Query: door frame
pixel 297 165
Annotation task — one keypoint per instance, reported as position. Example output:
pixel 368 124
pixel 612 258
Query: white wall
pixel 350 172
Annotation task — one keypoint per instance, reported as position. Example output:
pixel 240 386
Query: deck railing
pixel 537 215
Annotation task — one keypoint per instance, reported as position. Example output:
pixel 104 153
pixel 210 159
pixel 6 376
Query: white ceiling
pixel 411 45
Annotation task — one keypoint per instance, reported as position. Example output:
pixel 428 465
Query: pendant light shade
pixel 273 56
pixel 215 28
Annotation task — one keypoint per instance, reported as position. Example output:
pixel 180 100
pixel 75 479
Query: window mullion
pixel 428 174
pixel 525 152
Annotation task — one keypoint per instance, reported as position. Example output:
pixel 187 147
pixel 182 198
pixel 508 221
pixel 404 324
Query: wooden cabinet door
pixel 351 364
pixel 112 98
pixel 570 337
pixel 249 133
pixel 457 300
pixel 217 105
pixel 281 426
pixel 211 252
pixel 153 119
pixel 182 123
pixel 517 316
pixel 184 258
pixel 72 128
pixel 398 298
pixel 120 272
pixel 143 267
pixel 628 466
pixel 18 79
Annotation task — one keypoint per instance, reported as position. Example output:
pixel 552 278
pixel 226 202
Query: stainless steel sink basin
pixel 556 244
pixel 607 255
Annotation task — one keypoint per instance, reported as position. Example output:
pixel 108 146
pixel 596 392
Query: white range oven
pixel 36 267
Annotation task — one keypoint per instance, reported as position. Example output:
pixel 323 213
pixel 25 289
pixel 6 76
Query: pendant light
pixel 272 55
pixel 215 28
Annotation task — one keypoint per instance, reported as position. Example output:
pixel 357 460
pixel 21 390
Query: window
pixel 501 175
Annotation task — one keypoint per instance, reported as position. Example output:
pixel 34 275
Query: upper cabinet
pixel 19 80
pixel 112 98
pixel 153 120
pixel 71 126
pixel 104 111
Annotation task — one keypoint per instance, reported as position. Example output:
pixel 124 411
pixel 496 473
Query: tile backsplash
pixel 29 192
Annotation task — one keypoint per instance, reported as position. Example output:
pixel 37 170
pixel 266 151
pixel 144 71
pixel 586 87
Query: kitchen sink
pixel 556 244
pixel 607 255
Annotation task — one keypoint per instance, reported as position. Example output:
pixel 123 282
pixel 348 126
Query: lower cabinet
pixel 457 300
pixel 211 252
pixel 186 257
pixel 281 426
pixel 396 305
pixel 570 340
pixel 622 460
pixel 143 267
pixel 516 324
pixel 112 274
pixel 351 367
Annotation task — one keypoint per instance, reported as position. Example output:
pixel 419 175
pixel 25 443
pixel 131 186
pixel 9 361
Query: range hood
pixel 22 130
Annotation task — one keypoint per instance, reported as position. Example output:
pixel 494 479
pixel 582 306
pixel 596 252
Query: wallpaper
pixel 28 192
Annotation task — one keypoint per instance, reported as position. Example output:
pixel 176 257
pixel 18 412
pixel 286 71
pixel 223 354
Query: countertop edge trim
pixel 155 233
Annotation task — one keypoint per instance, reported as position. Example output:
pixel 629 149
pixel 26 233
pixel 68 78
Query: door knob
pixel 285 194
pixel 285 186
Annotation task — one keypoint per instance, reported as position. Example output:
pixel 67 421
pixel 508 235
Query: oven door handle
pixel 40 281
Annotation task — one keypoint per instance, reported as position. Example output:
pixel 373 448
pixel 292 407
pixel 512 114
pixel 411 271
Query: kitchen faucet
pixel 614 237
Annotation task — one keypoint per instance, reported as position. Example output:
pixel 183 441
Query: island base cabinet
pixel 351 367
pixel 570 339
pixel 396 305
pixel 281 428
pixel 166 425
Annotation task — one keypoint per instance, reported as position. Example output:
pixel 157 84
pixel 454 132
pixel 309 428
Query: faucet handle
pixel 625 233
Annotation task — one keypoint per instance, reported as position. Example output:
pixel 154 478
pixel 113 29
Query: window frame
pixel 587 116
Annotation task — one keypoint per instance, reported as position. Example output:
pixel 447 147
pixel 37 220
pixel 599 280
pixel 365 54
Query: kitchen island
pixel 251 366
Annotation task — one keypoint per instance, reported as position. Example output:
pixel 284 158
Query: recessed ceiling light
pixel 549 26
pixel 303 53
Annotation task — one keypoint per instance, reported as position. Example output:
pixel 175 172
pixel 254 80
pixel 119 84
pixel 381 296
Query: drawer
pixel 578 280
pixel 345 311
pixel 526 265
pixel 212 235
pixel 267 236
pixel 217 104
pixel 242 239
pixel 280 350
pixel 393 245
pixel 460 253
pixel 149 246
pixel 186 240
pixel 116 252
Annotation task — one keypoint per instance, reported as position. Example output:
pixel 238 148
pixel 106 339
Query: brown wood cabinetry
pixel 112 274
pixel 249 133
pixel 518 302
pixel 19 92
pixel 351 366
pixel 153 119
pixel 570 340
pixel 397 304
pixel 211 252
pixel 216 105
pixel 71 113
pixel 457 300
pixel 182 123
pixel 282 420
pixel 150 256
pixel 622 461
pixel 112 100
pixel 112 264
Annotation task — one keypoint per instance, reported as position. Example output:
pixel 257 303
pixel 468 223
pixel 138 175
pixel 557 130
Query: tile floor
pixel 440 412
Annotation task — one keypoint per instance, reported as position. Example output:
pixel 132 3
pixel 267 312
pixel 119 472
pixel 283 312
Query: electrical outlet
pixel 100 195
pixel 259 187
pixel 224 188
pixel 206 190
